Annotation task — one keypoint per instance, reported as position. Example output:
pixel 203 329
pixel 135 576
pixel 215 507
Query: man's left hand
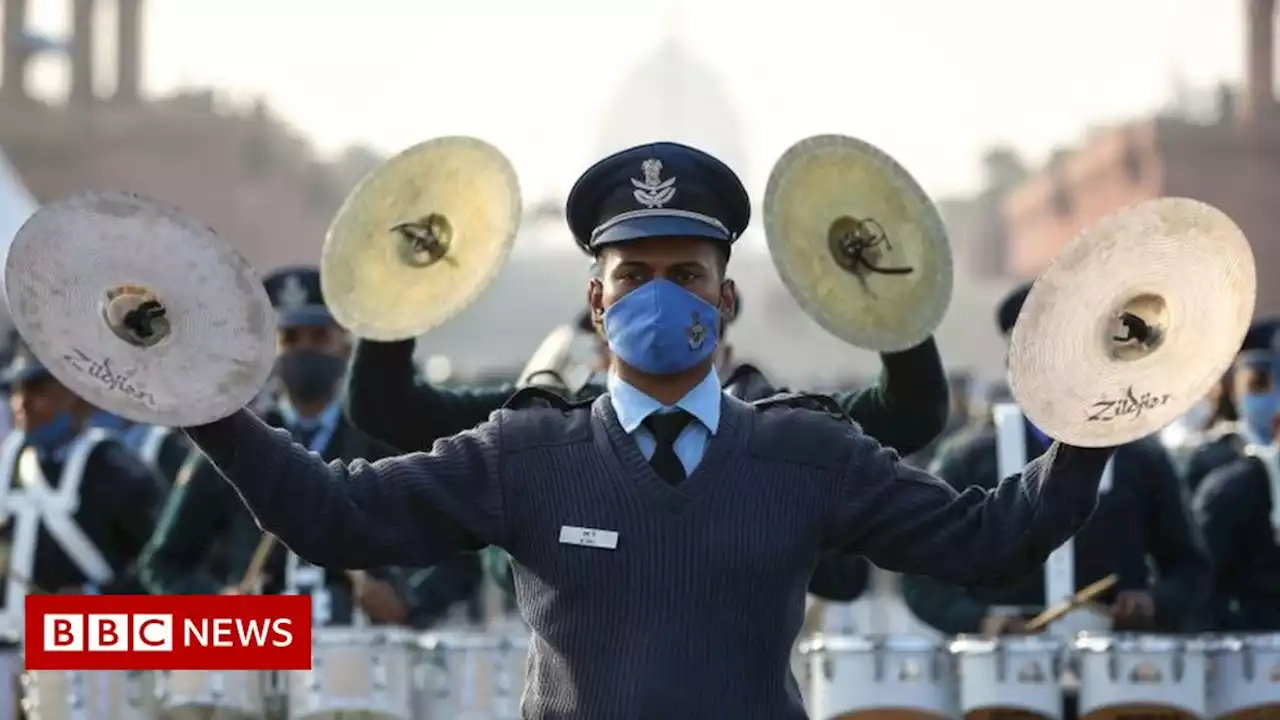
pixel 380 601
pixel 1133 610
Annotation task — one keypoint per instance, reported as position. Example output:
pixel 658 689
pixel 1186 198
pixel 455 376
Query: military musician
pixel 160 448
pixel 1142 513
pixel 1236 506
pixel 1251 389
pixel 666 504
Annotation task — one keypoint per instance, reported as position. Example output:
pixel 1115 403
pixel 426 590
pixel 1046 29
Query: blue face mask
pixel 53 434
pixel 661 328
pixel 107 421
pixel 1258 413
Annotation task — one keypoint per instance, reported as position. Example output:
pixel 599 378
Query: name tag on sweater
pixel 588 537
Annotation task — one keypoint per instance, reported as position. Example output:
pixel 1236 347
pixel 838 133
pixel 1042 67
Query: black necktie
pixel 666 428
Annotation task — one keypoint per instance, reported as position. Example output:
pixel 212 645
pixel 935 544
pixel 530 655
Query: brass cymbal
pixel 858 243
pixel 1133 322
pixel 139 309
pixel 420 238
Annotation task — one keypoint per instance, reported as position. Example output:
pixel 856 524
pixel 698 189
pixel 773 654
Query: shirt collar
pixel 633 406
pixel 328 418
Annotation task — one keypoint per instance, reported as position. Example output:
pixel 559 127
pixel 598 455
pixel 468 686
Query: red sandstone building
pixel 1232 163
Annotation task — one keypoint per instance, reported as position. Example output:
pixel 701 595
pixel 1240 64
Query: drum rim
pixel 472 640
pixel 979 645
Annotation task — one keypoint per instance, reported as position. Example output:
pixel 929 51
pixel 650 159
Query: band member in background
pixel 1256 402
pixel 1144 514
pixel 1237 508
pixel 667 510
pixel 160 448
pixel 205 538
pixel 78 506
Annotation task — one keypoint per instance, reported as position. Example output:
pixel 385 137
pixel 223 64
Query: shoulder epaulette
pixel 803 401
pixel 535 396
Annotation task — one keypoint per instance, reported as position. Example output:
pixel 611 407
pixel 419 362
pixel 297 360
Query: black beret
pixel 662 189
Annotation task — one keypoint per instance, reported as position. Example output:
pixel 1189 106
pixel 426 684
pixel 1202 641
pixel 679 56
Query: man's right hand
pixel 994 625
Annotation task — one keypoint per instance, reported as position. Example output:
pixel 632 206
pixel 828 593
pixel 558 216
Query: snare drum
pixel 473 676
pixel 877 678
pixel 1244 678
pixel 199 694
pixel 355 670
pixel 88 695
pixel 1159 677
pixel 1009 677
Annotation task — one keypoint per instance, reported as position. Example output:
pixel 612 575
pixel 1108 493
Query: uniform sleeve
pixel 1224 505
pixel 431 592
pixel 134 498
pixel 906 520
pixel 948 608
pixel 840 578
pixel 497 565
pixel 386 401
pixel 1182 590
pixel 198 512
pixel 415 510
pixel 907 409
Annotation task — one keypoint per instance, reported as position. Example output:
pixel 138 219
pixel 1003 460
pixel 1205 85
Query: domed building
pixel 671 95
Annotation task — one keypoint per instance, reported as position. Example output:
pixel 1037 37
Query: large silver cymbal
pixel 420 238
pixel 858 243
pixel 1133 322
pixel 139 309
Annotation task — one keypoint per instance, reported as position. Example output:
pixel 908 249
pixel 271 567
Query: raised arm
pixel 1185 578
pixel 412 511
pixel 386 401
pixel 906 520
pixel 908 407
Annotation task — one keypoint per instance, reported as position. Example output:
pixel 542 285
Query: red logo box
pixel 168 632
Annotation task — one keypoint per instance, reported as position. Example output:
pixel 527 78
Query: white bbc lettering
pixel 63 632
pixel 108 632
pixel 152 633
pixel 222 632
pixel 280 627
pixel 235 632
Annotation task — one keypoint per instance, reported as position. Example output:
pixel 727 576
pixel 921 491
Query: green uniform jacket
pixel 905 410
pixel 1144 520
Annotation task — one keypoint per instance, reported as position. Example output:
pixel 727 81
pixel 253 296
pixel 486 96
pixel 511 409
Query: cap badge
pixel 652 191
pixel 292 294
pixel 697 333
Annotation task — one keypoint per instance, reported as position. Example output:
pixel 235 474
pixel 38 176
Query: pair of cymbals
pixel 1132 323
pixel 146 313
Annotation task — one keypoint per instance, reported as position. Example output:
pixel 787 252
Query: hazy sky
pixel 931 81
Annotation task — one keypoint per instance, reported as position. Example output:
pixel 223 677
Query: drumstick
pixel 1081 598
pixel 258 562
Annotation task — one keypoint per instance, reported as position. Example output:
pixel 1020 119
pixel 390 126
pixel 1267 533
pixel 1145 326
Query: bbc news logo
pixel 168 632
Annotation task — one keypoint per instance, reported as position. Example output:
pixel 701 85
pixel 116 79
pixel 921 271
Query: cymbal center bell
pixel 859 245
pixel 1137 327
pixel 424 241
pixel 136 315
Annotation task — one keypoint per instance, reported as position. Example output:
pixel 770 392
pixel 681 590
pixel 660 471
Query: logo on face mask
pixel 697 333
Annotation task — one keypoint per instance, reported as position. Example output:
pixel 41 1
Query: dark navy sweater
pixel 694 613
